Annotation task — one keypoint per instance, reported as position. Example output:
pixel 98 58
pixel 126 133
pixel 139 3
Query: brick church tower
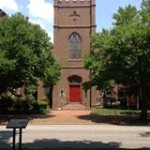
pixel 74 22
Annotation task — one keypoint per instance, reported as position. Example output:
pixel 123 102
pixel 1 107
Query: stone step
pixel 73 107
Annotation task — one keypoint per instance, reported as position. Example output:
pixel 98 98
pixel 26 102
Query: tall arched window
pixel 75 46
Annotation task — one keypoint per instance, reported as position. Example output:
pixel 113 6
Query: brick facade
pixel 73 16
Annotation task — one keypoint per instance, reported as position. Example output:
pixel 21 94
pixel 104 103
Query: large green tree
pixel 25 55
pixel 123 52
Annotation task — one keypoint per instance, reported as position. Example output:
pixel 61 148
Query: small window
pixel 75 46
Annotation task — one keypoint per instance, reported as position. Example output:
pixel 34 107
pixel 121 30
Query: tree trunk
pixel 144 114
pixel 50 96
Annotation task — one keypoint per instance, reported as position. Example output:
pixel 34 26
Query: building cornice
pixel 81 6
pixel 76 26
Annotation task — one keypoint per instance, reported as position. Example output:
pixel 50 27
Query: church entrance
pixel 75 89
pixel 75 93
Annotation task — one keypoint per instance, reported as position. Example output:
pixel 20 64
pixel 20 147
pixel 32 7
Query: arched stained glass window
pixel 75 46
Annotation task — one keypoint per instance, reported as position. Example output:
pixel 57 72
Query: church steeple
pixel 74 22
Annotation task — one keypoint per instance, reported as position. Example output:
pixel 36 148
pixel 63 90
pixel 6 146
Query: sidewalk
pixel 79 136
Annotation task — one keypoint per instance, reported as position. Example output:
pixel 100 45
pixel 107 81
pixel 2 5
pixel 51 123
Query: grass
pixel 124 116
pixel 112 111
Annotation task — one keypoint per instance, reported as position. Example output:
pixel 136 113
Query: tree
pixel 25 55
pixel 122 53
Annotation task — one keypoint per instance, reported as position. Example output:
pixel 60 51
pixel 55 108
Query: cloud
pixel 44 25
pixel 9 5
pixel 38 21
pixel 42 13
pixel 41 9
pixel 51 35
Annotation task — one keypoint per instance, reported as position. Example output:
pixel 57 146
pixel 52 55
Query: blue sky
pixel 106 8
pixel 41 11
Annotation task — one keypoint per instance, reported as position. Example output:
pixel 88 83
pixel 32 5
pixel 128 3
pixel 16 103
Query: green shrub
pixel 23 105
pixel 40 107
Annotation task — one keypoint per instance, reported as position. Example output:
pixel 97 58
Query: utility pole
pixel 90 48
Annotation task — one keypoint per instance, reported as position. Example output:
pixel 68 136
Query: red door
pixel 75 93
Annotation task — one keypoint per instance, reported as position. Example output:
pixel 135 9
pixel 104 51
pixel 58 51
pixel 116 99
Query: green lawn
pixel 112 111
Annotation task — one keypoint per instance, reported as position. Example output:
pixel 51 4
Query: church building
pixel 74 23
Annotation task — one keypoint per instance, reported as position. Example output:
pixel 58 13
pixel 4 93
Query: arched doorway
pixel 75 91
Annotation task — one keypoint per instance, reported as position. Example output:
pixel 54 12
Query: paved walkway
pixel 63 117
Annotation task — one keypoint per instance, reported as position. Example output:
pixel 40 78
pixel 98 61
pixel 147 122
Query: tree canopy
pixel 122 53
pixel 25 55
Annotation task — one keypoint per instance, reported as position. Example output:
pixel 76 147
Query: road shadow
pixel 5 137
pixel 6 142
pixel 55 143
pixel 146 134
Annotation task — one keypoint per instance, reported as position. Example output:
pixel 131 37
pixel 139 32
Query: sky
pixel 41 11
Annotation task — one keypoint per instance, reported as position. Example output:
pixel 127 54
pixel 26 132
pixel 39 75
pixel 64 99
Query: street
pixel 99 135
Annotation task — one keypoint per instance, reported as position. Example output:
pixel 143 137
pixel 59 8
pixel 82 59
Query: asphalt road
pixel 100 135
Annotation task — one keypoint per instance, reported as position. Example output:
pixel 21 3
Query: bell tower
pixel 74 23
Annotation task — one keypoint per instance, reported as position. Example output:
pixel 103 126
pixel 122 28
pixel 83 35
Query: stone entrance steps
pixel 73 107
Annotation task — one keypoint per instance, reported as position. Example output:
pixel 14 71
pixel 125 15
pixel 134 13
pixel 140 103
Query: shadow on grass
pixel 122 119
pixel 4 119
pixel 130 113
